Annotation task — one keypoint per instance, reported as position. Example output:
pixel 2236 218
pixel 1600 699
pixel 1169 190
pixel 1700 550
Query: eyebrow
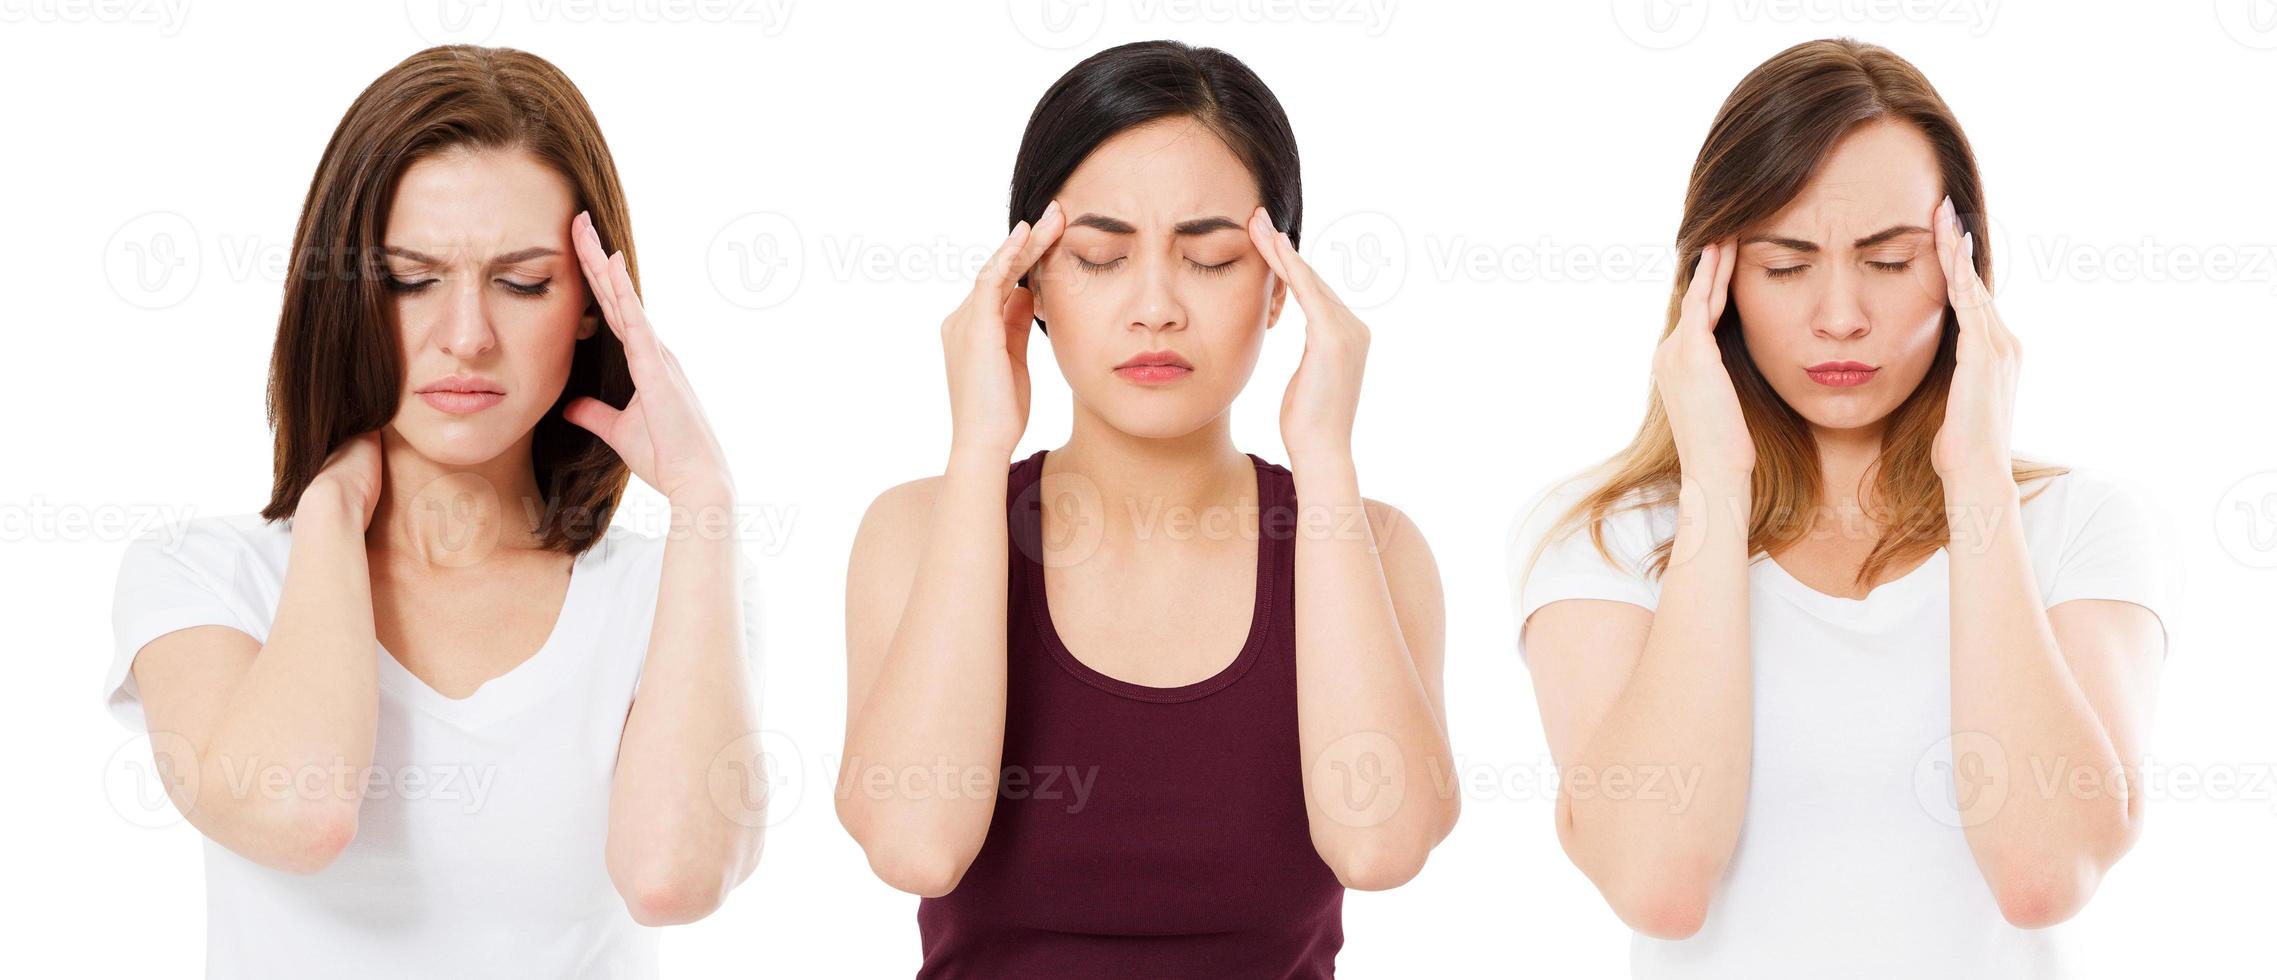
pixel 1117 226
pixel 524 255
pixel 1869 241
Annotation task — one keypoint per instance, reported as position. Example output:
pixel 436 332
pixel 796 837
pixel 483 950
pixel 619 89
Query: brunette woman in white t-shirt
pixel 1819 656
pixel 400 703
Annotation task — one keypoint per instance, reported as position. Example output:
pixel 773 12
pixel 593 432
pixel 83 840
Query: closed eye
pixel 538 288
pixel 1899 266
pixel 1778 272
pixel 1090 266
pixel 395 285
pixel 1213 270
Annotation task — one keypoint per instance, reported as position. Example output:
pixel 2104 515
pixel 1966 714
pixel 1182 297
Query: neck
pixel 1844 456
pixel 432 514
pixel 1136 474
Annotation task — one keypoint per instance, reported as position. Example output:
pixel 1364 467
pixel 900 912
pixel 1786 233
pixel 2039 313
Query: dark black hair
pixel 1133 84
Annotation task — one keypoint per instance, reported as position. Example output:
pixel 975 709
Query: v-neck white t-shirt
pixel 479 846
pixel 1851 859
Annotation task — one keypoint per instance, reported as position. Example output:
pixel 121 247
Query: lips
pixel 1841 374
pixel 462 394
pixel 1154 367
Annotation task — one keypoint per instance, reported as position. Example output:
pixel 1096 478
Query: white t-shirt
pixel 1851 859
pixel 479 847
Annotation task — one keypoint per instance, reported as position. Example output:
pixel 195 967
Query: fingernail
pixel 1969 244
pixel 1022 227
pixel 1052 208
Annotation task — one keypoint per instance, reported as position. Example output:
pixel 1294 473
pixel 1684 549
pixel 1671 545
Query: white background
pixel 1494 186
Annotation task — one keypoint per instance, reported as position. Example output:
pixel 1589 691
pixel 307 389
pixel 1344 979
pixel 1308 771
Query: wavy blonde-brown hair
pixel 1768 140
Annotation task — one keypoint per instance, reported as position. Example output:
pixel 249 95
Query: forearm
pixel 2020 715
pixel 281 774
pixel 675 848
pixel 1379 777
pixel 918 787
pixel 1679 735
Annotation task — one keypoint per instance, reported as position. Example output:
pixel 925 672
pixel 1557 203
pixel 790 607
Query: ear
pixel 589 323
pixel 1273 305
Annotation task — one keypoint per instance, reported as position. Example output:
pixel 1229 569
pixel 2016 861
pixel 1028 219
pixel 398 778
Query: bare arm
pixel 675 848
pixel 925 629
pixel 1380 786
pixel 2040 696
pixel 2043 696
pixel 1625 691
pixel 230 716
pixel 925 605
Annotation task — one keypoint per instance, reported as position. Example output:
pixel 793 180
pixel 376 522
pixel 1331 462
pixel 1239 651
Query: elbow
pixel 2036 898
pixel 925 863
pixel 671 899
pixel 1667 909
pixel 927 871
pixel 2040 885
pixel 1378 866
pixel 1665 899
pixel 308 839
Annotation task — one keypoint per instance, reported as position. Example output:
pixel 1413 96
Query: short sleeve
pixel 173 579
pixel 1544 569
pixel 2116 545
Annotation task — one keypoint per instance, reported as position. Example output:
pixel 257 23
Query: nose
pixel 464 330
pixel 1841 315
pixel 1157 305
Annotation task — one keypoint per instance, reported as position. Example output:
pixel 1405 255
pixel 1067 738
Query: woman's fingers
pixel 1267 241
pixel 1727 259
pixel 1019 253
pixel 593 260
pixel 1704 272
pixel 595 416
pixel 1313 294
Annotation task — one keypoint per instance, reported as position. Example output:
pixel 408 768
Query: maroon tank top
pixel 1144 831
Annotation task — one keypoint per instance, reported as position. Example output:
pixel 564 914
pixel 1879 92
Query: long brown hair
pixel 1767 141
pixel 337 369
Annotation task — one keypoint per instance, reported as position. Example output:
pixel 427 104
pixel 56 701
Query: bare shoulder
pixel 1394 531
pixel 898 511
pixel 1412 575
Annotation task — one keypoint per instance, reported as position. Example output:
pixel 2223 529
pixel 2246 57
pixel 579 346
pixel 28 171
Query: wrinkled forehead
pixel 1881 174
pixel 478 203
pixel 1161 173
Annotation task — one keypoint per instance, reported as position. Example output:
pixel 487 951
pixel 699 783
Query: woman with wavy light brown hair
pixel 400 703
pixel 1832 638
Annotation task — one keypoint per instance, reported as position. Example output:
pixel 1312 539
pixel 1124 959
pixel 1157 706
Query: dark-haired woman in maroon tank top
pixel 1144 705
